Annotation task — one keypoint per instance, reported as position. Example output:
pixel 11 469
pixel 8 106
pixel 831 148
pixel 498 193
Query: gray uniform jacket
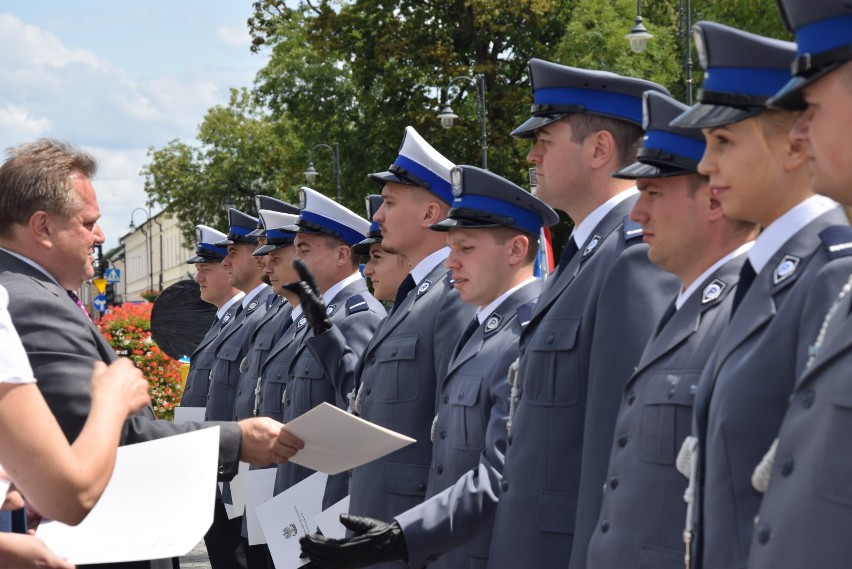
pixel 201 362
pixel 744 390
pixel 643 497
pixel 356 314
pixel 225 375
pixel 806 514
pixel 470 444
pixel 62 345
pixel 268 331
pixel 398 378
pixel 587 332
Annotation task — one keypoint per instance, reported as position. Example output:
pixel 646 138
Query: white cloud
pixel 17 123
pixel 234 36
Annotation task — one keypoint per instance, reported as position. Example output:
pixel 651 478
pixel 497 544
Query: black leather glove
pixel 310 298
pixel 374 542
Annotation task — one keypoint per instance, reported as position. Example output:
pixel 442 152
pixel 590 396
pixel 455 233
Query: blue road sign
pixel 112 275
pixel 100 303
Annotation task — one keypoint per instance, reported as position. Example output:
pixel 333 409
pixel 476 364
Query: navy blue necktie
pixel 568 253
pixel 747 275
pixel 402 292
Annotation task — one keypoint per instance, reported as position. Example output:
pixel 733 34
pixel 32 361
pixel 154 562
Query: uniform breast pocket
pixel 550 376
pixel 263 341
pixel 272 385
pixel 465 426
pixel 309 387
pixel 666 415
pixel 229 352
pixel 398 374
pixel 835 469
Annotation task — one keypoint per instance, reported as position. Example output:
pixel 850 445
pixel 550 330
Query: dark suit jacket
pixel 585 338
pixel 643 497
pixel 63 345
pixel 746 385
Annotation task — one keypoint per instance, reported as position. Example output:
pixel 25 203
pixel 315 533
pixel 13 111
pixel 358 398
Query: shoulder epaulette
pixel 356 303
pixel 837 241
pixel 525 312
pixel 630 229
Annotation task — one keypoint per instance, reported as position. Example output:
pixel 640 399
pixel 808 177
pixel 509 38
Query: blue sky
pixel 117 78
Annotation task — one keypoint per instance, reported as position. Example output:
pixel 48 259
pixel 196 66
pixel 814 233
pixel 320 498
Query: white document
pixel 5 483
pixel 336 440
pixel 289 516
pixel 189 415
pixel 238 492
pixel 328 522
pixel 157 504
pixel 259 486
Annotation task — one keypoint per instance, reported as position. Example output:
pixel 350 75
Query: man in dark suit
pixel 48 230
pixel 590 324
pixel 689 236
pixel 493 227
pixel 808 505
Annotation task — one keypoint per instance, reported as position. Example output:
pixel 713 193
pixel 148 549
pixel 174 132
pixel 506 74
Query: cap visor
pixel 791 96
pixel 382 177
pixel 532 124
pixel 465 223
pixel 260 251
pixel 709 116
pixel 203 259
pixel 642 170
pixel 259 232
pixel 363 247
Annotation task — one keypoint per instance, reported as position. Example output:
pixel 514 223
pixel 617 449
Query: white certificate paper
pixel 328 522
pixel 289 516
pixel 336 440
pixel 259 485
pixel 238 493
pixel 157 504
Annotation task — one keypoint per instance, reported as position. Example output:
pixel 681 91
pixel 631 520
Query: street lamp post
pixel 311 172
pixel 447 115
pixel 639 36
pixel 147 235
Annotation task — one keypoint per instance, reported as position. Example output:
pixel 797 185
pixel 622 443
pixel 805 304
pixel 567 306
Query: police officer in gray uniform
pixel 493 227
pixel 807 508
pixel 246 275
pixel 590 324
pixel 336 295
pixel 397 374
pixel 269 329
pixel 216 290
pixel 744 390
pixel 689 236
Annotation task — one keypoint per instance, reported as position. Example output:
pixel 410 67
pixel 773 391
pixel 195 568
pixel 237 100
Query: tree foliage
pixel 357 72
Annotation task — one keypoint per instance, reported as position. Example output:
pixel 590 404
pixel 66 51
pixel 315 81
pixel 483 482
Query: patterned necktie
pixel 402 292
pixel 73 296
pixel 747 275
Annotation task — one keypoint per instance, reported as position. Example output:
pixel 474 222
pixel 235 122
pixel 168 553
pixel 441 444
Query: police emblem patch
pixel 785 269
pixel 302 322
pixel 596 239
pixel 712 291
pixel 252 305
pixel 330 309
pixel 492 323
pixel 226 318
pixel 424 287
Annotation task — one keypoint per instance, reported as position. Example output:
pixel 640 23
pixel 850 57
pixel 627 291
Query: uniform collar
pixel 584 230
pixel 424 267
pixel 485 311
pixel 782 229
pixel 685 294
pixel 329 295
pixel 253 293
pixel 236 298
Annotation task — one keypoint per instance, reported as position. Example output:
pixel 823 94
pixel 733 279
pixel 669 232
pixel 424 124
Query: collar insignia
pixel 785 269
pixel 424 287
pixel 301 323
pixel 330 309
pixel 596 239
pixel 713 291
pixel 493 322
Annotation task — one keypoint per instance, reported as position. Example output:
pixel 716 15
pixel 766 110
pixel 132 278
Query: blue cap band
pixel 824 35
pixel 438 186
pixel 525 219
pixel 746 80
pixel 674 143
pixel 240 231
pixel 278 234
pixel 212 249
pixel 603 102
pixel 343 232
pixel 374 227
